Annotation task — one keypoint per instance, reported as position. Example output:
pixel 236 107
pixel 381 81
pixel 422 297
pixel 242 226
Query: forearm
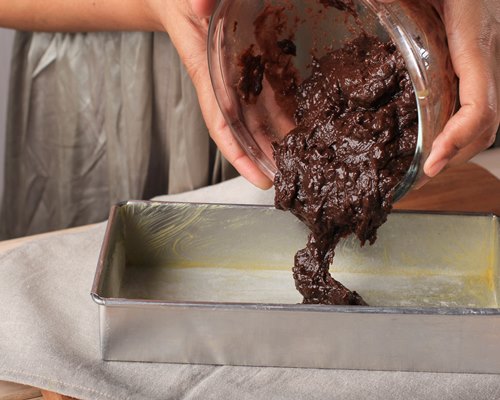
pixel 79 15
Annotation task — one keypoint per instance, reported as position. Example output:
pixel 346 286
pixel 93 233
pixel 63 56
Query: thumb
pixel 221 133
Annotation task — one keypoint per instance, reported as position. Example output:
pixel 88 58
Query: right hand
pixel 473 29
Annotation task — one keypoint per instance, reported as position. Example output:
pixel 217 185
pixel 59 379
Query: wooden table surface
pixel 468 188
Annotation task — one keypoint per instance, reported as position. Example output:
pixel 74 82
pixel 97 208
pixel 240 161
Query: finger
pixel 421 182
pixel 463 137
pixel 480 144
pixel 221 133
pixel 203 8
pixel 469 131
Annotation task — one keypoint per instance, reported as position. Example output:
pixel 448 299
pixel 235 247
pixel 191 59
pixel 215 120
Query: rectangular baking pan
pixel 212 284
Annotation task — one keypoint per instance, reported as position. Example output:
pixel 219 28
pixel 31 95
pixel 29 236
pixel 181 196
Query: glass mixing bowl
pixel 414 26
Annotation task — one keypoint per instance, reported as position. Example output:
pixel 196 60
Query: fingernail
pixel 436 168
pixel 421 182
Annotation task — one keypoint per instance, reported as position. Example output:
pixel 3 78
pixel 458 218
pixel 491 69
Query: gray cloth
pixel 94 119
pixel 49 338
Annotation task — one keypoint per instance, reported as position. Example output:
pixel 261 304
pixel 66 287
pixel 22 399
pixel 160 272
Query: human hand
pixel 186 21
pixel 473 29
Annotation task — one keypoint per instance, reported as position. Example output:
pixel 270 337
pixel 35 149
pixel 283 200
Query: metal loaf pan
pixel 212 284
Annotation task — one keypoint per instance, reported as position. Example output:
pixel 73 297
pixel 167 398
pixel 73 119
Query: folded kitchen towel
pixel 49 337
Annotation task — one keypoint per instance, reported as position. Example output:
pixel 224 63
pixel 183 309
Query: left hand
pixel 187 25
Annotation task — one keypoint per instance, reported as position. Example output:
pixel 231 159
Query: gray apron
pixel 94 119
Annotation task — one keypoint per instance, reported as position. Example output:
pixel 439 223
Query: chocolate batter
pixel 356 133
pixel 277 55
pixel 250 84
pixel 342 5
pixel 337 170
